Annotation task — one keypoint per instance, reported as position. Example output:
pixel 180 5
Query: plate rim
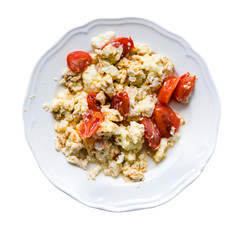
pixel 188 50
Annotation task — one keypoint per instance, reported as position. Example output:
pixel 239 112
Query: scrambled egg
pixel 115 148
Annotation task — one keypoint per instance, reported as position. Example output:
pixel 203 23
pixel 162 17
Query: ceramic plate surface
pixel 183 164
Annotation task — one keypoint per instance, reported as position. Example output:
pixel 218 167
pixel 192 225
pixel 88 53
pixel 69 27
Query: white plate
pixel 183 164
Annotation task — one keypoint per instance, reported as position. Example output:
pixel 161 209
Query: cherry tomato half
pixel 78 61
pixel 127 44
pixel 93 103
pixel 184 88
pixel 121 103
pixel 167 89
pixel 90 123
pixel 165 118
pixel 151 133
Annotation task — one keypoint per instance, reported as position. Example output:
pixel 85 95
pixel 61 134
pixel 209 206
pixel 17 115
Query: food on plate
pixel 151 133
pixel 115 101
pixel 78 61
pixel 167 121
pixel 121 103
pixel 90 123
pixel 185 87
pixel 167 89
pixel 125 43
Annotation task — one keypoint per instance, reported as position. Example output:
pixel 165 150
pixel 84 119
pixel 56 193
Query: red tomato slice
pixel 93 103
pixel 184 88
pixel 78 61
pixel 127 44
pixel 167 89
pixel 165 118
pixel 121 103
pixel 151 133
pixel 90 123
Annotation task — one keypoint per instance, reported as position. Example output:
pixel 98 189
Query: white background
pixel 32 208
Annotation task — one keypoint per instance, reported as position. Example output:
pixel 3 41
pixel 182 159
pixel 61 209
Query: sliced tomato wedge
pixel 93 103
pixel 127 44
pixel 151 133
pixel 78 61
pixel 90 123
pixel 165 118
pixel 167 89
pixel 121 103
pixel 184 88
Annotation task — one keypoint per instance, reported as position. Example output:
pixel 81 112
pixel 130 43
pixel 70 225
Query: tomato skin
pixel 184 88
pixel 165 118
pixel 167 89
pixel 90 123
pixel 93 103
pixel 127 44
pixel 121 103
pixel 151 133
pixel 78 61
